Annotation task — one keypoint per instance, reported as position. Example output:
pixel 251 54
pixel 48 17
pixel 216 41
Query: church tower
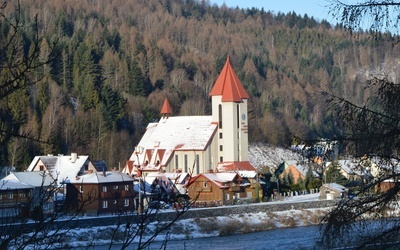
pixel 229 111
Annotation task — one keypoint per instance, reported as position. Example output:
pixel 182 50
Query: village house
pixel 331 191
pixel 26 193
pixel 198 144
pixel 350 169
pixel 251 185
pixel 216 189
pixel 98 193
pixel 62 167
pixel 296 169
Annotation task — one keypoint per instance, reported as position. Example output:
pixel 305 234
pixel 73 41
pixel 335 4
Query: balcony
pixel 203 189
pixel 106 195
pixel 235 189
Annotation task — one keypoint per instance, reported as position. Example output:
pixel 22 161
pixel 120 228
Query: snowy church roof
pixel 177 133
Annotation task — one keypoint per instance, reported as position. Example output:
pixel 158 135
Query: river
pixel 286 238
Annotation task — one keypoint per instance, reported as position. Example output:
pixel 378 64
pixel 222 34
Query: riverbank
pixel 213 222
pixel 305 210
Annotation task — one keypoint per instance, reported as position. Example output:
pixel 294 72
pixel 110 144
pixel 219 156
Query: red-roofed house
pixel 198 144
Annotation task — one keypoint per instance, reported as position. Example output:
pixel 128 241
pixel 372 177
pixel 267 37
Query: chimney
pixel 74 156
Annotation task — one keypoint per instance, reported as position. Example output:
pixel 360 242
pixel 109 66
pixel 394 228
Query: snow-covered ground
pixel 208 227
pixel 261 155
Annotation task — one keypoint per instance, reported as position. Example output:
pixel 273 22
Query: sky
pixel 313 8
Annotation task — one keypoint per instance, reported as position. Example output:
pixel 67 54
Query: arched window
pixel 220 116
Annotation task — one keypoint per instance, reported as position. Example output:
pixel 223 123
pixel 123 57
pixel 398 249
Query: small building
pixel 350 169
pixel 331 191
pixel 216 189
pixel 298 171
pixel 62 167
pixel 251 184
pixel 101 193
pixel 26 193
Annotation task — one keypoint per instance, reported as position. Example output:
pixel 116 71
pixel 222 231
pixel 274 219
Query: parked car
pixel 158 205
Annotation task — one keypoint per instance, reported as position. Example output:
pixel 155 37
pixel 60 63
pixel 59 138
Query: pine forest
pixel 116 61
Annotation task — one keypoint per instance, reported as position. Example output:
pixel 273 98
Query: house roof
pixel 235 166
pixel 97 178
pixel 351 167
pixel 34 179
pixel 228 85
pixel 175 133
pixel 13 184
pixel 247 174
pixel 176 178
pixel 100 165
pixel 166 108
pixel 335 187
pixel 218 179
pixel 61 167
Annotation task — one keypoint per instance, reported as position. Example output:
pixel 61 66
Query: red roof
pixel 235 166
pixel 166 108
pixel 228 85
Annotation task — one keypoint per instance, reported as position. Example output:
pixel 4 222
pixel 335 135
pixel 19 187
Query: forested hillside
pixel 118 60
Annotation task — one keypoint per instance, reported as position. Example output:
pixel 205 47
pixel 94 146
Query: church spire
pixel 166 109
pixel 228 85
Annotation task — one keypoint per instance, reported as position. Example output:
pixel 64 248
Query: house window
pixel 10 195
pixel 204 184
pixel 46 206
pixel 227 196
pixel 41 167
pixel 105 204
pixel 186 163
pixel 220 116
pixel 176 162
pixel 198 164
pixel 116 187
pixel 1 196
pixel 126 187
pixel 104 189
pixel 126 202
pixel 220 135
pixel 221 159
pixel 21 195
pixel 221 148
pixel 81 189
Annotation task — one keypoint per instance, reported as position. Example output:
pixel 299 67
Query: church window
pixel 220 147
pixel 186 163
pixel 176 162
pixel 198 163
pixel 237 116
pixel 220 116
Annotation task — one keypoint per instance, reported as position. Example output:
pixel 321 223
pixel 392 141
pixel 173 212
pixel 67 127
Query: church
pixel 198 144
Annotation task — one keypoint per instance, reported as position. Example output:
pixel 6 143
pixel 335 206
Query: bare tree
pixel 371 133
pixel 375 15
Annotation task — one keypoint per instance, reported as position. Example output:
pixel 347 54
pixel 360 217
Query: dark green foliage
pixel 113 65
pixel 112 106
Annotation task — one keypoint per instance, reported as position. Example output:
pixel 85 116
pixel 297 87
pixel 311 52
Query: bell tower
pixel 229 111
